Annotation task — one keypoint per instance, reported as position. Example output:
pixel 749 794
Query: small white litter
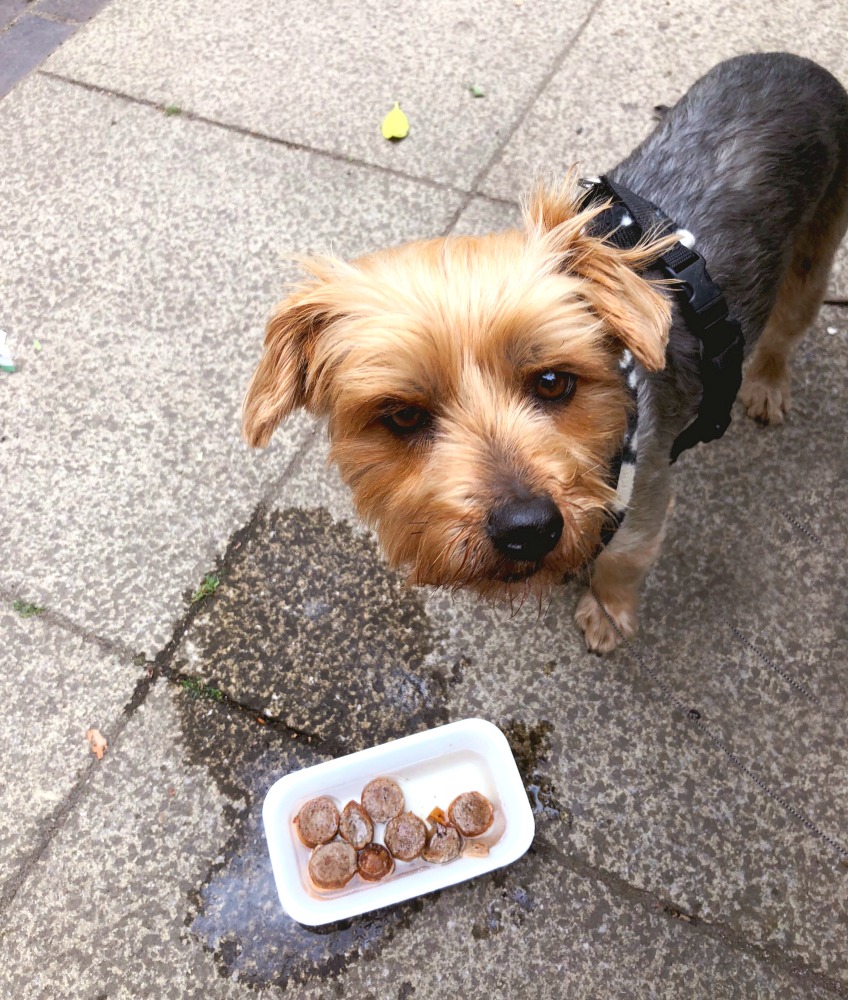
pixel 7 363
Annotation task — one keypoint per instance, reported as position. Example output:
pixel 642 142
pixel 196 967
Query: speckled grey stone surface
pixel 630 58
pixel 346 62
pixel 159 885
pixel 689 790
pixel 54 686
pixel 143 253
pixel 484 216
pixel 103 911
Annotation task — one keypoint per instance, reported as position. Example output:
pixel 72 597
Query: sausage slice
pixel 471 813
pixel 332 866
pixel 355 826
pixel 382 799
pixel 443 845
pixel 374 862
pixel 317 822
pixel 406 836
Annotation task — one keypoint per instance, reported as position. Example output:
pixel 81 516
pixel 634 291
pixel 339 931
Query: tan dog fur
pixel 459 327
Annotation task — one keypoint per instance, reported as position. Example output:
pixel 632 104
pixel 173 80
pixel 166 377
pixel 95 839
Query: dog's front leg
pixel 615 580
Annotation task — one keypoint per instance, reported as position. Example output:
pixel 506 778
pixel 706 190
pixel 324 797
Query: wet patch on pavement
pixel 310 648
pixel 310 628
pixel 236 913
pixel 511 906
pixel 530 746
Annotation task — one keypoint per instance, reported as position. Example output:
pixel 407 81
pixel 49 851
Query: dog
pixel 473 386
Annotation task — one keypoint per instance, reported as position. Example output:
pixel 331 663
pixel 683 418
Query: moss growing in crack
pixel 196 688
pixel 27 610
pixel 171 110
pixel 210 584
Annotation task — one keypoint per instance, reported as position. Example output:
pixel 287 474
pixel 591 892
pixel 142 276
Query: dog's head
pixel 472 390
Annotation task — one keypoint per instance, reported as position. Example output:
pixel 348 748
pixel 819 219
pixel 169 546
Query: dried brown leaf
pixel 97 742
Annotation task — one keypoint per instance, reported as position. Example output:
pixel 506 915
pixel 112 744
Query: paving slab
pixel 160 885
pixel 26 44
pixel 140 256
pixel 71 10
pixel 631 58
pixel 325 75
pixel 103 911
pixel 54 686
pixel 482 215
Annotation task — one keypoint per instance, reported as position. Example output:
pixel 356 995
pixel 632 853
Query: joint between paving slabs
pixel 161 665
pixel 175 111
pixel 57 619
pixel 510 133
pixel 772 955
pixel 53 824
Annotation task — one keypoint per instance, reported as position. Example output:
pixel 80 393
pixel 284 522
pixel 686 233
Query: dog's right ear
pixel 280 383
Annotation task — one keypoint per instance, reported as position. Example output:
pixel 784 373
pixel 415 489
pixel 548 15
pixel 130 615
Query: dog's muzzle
pixel 525 530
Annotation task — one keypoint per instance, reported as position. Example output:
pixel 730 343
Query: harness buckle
pixel 703 296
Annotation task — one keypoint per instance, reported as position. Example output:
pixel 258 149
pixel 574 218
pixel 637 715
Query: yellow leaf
pixel 395 124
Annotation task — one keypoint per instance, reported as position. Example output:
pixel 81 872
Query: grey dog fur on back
pixel 745 160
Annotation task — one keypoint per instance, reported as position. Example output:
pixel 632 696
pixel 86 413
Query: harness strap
pixel 622 471
pixel 702 303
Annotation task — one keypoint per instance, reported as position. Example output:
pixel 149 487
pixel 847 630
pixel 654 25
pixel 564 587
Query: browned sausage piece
pixel 374 862
pixel 406 836
pixel 332 865
pixel 355 826
pixel 471 813
pixel 317 822
pixel 443 845
pixel 382 799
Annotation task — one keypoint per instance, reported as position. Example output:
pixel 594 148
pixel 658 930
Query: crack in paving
pixel 52 825
pixel 496 156
pixel 66 624
pixel 259 136
pixel 653 903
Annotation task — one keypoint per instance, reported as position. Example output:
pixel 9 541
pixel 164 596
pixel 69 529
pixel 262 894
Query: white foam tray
pixel 432 768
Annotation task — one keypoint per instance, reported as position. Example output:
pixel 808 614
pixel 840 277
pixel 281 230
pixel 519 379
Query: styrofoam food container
pixel 432 768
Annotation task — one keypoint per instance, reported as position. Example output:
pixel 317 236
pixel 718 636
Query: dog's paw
pixel 765 401
pixel 599 632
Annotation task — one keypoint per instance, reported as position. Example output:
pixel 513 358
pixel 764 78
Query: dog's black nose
pixel 525 530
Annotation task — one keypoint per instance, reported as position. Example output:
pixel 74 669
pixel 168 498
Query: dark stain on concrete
pixel 530 747
pixel 512 906
pixel 311 628
pixel 236 913
pixel 318 650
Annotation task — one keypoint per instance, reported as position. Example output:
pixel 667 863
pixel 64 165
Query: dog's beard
pixel 457 553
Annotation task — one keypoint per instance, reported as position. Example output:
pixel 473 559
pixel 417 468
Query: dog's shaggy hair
pixel 472 382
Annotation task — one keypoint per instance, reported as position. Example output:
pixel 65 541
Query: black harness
pixel 623 224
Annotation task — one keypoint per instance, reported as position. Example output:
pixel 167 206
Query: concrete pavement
pixel 691 790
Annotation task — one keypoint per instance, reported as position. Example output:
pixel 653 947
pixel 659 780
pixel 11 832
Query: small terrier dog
pixel 472 385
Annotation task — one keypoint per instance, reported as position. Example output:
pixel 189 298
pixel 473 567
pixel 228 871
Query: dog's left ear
pixel 635 311
pixel 638 315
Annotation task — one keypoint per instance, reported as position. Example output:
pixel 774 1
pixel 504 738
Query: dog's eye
pixel 407 420
pixel 554 386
